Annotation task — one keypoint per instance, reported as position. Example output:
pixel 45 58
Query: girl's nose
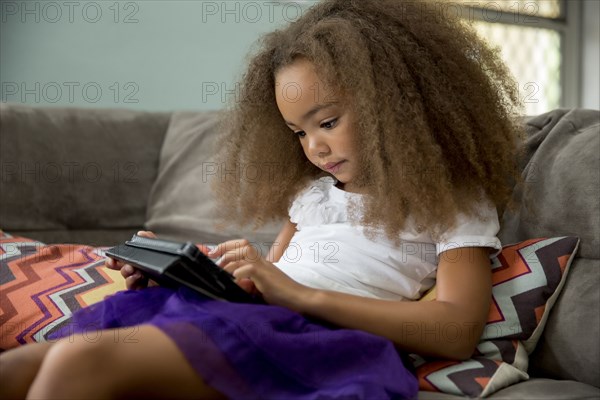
pixel 317 146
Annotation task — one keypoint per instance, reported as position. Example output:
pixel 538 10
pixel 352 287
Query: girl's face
pixel 322 123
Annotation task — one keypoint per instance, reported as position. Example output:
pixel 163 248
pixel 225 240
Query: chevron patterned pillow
pixel 527 278
pixel 41 286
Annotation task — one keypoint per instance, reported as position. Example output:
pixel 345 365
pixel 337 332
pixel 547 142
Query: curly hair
pixel 435 111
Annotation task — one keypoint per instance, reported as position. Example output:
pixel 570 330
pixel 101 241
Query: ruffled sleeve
pixel 316 206
pixel 473 232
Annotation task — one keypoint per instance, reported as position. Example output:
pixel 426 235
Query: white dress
pixel 327 252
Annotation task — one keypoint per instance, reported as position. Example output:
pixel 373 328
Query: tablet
pixel 173 264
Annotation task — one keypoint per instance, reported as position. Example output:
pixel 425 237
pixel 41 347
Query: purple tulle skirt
pixel 255 351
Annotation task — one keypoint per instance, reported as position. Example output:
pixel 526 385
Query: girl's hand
pixel 254 273
pixel 134 279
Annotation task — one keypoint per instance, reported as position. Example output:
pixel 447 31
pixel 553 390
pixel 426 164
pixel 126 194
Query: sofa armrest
pixel 65 171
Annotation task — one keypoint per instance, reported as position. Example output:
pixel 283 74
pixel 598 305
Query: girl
pixel 388 132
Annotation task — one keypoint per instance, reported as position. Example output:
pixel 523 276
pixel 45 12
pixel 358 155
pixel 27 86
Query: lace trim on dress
pixel 316 206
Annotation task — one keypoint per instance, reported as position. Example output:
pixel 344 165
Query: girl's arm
pixel 450 326
pixel 281 242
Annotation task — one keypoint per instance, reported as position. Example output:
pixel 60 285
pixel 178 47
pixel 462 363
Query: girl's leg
pixel 18 368
pixel 144 363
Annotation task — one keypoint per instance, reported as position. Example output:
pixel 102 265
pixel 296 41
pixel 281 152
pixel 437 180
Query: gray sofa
pixel 97 176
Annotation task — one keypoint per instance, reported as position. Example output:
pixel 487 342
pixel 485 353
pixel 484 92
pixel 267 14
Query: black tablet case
pixel 173 263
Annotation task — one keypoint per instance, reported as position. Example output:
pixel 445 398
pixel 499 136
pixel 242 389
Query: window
pixel 539 41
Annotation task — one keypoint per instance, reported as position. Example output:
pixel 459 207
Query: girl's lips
pixel 333 166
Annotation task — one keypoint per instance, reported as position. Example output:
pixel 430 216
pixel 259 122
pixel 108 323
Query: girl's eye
pixel 300 134
pixel 329 124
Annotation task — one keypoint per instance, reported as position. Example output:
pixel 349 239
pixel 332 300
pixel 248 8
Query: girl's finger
pixel 148 234
pixel 130 282
pixel 127 271
pixel 229 257
pixel 232 266
pixel 247 285
pixel 243 272
pixel 134 282
pixel 110 263
pixel 113 264
pixel 246 253
pixel 229 245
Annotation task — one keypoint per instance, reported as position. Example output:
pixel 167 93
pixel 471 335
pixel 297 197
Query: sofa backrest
pixel 77 175
pixel 559 197
pixel 182 204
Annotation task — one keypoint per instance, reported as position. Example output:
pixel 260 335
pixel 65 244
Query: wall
pixel 162 55
pixel 151 55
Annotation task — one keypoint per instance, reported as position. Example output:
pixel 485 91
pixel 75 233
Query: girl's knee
pixel 151 367
pixel 74 366
pixel 83 354
pixel 18 368
pixel 80 353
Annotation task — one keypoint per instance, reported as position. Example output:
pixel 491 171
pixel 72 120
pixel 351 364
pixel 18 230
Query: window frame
pixel 568 25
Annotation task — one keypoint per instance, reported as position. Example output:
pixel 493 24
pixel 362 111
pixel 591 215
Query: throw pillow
pixel 181 204
pixel 527 278
pixel 41 286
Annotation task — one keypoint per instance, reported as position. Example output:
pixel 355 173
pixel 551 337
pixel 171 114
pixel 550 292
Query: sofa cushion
pixel 569 347
pixel 547 389
pixel 72 168
pixel 527 278
pixel 181 204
